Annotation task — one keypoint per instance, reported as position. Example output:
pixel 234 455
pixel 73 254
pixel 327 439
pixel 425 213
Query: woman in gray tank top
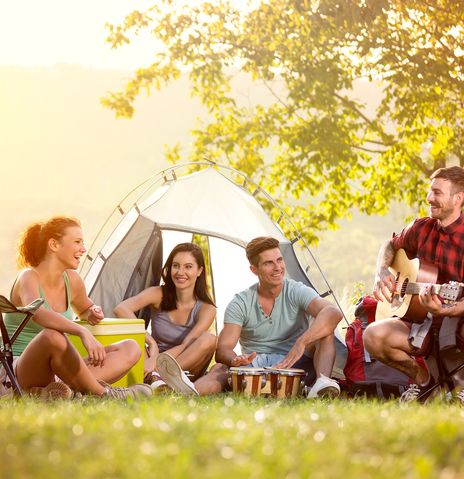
pixel 182 313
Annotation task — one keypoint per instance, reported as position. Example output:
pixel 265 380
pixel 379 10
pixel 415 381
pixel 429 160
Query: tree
pixel 313 144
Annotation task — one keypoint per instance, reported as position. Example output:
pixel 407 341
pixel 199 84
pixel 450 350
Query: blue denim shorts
pixel 264 360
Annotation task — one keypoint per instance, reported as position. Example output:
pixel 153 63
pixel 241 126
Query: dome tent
pixel 216 202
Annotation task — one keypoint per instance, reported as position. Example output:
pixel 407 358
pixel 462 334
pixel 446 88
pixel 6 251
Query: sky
pixel 50 32
pixel 61 152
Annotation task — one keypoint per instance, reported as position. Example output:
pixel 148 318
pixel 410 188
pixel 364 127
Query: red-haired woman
pixel 182 314
pixel 50 253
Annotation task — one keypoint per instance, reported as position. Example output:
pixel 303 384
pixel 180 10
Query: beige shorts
pixel 5 386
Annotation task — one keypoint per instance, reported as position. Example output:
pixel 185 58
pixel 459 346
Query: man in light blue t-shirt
pixel 277 320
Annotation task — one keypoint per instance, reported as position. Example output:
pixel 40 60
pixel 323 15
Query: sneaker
pixel 157 384
pixel 52 391
pixel 171 373
pixel 135 391
pixel 411 394
pixel 459 397
pixel 159 387
pixel 324 387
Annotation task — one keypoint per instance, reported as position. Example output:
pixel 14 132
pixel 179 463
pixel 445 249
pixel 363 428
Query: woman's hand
pixel 151 353
pixel 95 315
pixel 96 350
pixel 149 365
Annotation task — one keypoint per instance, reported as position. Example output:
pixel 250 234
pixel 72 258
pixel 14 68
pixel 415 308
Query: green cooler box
pixel 112 330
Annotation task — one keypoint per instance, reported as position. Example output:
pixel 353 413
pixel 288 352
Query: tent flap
pixel 126 269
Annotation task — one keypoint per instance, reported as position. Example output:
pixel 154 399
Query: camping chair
pixel 437 360
pixel 6 352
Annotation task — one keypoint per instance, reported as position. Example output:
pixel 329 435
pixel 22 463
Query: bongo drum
pixel 247 381
pixel 285 383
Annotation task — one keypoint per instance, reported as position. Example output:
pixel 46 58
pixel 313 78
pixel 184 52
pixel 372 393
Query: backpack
pixel 364 376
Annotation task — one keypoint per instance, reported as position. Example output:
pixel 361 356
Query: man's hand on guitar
pixel 430 301
pixel 384 285
pixel 433 304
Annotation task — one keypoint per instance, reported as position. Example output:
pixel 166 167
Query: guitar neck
pixel 415 288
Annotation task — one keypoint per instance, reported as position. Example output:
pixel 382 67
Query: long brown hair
pixel 169 301
pixel 33 241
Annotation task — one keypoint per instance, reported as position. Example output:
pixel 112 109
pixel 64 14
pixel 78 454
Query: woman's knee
pixel 131 350
pixel 207 341
pixel 52 340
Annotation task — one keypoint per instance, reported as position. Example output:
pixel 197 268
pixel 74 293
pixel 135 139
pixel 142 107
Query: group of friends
pixel 278 322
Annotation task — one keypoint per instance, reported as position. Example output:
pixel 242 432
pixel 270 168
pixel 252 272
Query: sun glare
pixel 53 32
pixel 50 32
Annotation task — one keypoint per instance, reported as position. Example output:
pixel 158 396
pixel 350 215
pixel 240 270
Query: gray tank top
pixel 166 333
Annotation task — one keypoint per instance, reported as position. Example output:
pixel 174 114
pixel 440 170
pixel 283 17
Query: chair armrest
pixel 6 306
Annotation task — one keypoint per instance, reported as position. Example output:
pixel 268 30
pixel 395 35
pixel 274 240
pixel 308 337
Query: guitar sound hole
pixel 404 287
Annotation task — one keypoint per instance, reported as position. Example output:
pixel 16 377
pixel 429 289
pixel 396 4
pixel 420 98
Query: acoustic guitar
pixel 410 277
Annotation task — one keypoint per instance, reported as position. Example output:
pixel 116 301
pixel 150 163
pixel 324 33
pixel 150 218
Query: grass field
pixel 230 437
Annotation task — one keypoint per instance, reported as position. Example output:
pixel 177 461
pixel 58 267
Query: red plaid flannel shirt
pixel 425 239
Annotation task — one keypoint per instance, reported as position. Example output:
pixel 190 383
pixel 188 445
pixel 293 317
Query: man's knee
pixel 374 338
pixel 220 373
pixel 219 368
pixel 215 381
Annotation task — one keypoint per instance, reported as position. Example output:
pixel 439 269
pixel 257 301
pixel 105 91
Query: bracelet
pixel 91 308
pixel 86 309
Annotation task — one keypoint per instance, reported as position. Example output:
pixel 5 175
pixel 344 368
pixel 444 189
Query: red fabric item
pixel 425 239
pixel 357 369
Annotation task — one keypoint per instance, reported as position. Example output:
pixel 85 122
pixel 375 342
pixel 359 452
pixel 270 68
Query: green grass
pixel 230 437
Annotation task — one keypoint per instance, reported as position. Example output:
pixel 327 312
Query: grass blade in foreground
pixel 230 437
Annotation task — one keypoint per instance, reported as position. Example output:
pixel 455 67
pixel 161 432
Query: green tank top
pixel 32 329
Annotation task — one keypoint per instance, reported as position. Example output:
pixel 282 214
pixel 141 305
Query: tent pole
pixel 210 266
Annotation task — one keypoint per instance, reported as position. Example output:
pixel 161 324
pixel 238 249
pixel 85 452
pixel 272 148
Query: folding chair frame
pixel 444 376
pixel 6 351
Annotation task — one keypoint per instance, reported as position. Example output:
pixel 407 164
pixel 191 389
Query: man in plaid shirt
pixel 439 240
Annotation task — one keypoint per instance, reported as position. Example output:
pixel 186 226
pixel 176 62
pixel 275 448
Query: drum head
pixel 287 372
pixel 247 371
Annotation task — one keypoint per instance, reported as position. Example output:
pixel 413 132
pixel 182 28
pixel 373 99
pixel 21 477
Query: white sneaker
pixel 324 387
pixel 411 394
pixel 171 373
pixel 459 397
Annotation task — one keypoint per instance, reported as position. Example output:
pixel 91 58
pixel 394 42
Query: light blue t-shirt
pixel 278 332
